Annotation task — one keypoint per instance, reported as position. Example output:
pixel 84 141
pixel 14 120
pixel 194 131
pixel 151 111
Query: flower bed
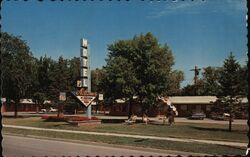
pixel 67 118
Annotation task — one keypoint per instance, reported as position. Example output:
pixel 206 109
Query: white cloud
pixel 224 6
pixel 175 6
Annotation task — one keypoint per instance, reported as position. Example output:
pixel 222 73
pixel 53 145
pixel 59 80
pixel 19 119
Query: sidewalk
pixel 225 143
pixel 154 119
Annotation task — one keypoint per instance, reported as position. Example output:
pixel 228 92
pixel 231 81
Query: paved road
pixel 26 146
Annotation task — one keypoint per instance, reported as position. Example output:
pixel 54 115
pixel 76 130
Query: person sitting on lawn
pixel 145 118
pixel 132 119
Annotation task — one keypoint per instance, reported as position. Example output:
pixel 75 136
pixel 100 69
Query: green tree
pixel 194 89
pixel 210 79
pixel 96 77
pixel 18 67
pixel 174 87
pixel 138 67
pixel 59 81
pixel 243 75
pixel 120 81
pixel 74 72
pixel 229 98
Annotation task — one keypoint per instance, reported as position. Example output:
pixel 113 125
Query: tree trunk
pixel 60 110
pixel 15 112
pixel 130 108
pixel 230 123
pixel 142 110
pixel 37 107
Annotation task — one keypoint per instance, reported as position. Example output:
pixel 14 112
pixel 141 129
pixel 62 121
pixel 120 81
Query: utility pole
pixel 196 74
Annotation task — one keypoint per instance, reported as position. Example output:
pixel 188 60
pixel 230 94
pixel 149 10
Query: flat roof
pixel 196 99
pixel 192 99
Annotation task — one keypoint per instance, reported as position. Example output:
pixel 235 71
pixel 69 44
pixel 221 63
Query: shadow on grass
pixel 140 140
pixel 113 120
pixel 59 125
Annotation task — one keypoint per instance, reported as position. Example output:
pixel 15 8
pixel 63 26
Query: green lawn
pixel 146 143
pixel 182 130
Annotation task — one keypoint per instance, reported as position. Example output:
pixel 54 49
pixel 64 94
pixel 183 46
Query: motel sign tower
pixel 84 69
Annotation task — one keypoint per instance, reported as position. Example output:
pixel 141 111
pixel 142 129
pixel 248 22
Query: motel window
pixel 184 107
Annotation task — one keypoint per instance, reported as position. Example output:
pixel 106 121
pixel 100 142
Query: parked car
pixel 51 109
pixel 197 115
pixel 43 110
pixel 223 116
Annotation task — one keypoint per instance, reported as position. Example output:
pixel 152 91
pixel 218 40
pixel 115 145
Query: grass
pixel 159 144
pixel 180 130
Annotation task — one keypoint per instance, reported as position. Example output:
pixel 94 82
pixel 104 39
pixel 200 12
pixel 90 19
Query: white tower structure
pixel 84 63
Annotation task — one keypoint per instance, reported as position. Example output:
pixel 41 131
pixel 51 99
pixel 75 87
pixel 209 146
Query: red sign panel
pixel 86 100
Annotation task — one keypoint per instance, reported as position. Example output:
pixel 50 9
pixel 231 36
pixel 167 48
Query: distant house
pixel 185 105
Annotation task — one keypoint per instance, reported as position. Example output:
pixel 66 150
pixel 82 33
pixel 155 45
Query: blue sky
pixel 198 32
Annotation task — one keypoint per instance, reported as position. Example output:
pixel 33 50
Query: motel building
pixel 185 105
pixel 24 105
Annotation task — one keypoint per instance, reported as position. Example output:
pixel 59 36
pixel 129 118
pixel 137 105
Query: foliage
pixel 229 98
pixel 194 89
pixel 209 84
pixel 18 69
pixel 96 77
pixel 174 87
pixel 27 77
pixel 74 72
pixel 210 78
pixel 139 67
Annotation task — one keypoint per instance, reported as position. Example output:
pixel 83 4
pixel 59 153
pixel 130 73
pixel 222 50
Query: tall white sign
pixel 84 62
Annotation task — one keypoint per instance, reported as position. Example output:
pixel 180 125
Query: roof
pixel 190 100
pixel 193 99
pixel 26 101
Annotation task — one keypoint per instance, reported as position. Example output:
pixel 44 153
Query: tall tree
pixel 229 99
pixel 18 68
pixel 146 68
pixel 120 81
